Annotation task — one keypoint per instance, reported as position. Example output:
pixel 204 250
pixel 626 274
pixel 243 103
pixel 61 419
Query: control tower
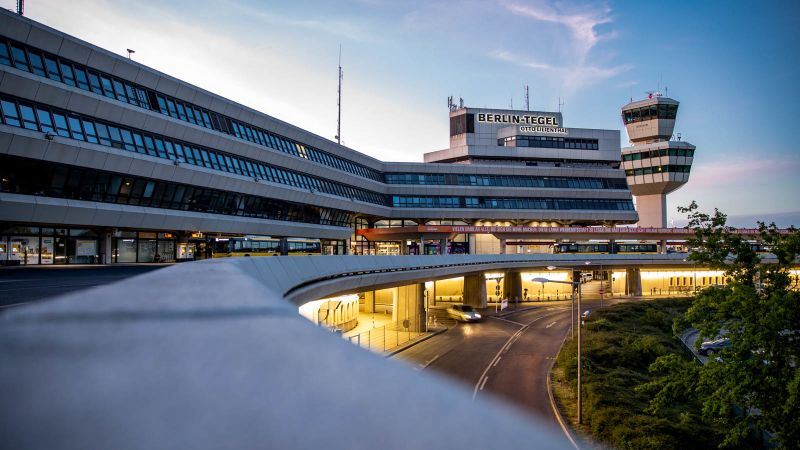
pixel 654 164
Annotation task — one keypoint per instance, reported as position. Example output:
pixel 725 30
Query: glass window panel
pixel 5 57
pixel 76 128
pixel 37 63
pixel 61 124
pixel 160 149
pixel 80 79
pixel 102 134
pixel 20 59
pixel 28 117
pixel 190 115
pixel 10 114
pixel 66 72
pixel 127 140
pixel 45 120
pixel 171 108
pixel 91 134
pixel 139 143
pixel 94 83
pixel 108 87
pixel 181 111
pixel 149 146
pixel 52 68
pixel 197 158
pixel 162 104
pixel 120 90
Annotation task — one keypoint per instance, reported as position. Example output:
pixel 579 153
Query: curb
pixel 413 343
pixel 557 412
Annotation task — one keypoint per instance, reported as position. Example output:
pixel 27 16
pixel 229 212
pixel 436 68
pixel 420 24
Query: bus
pixel 265 246
pixel 604 248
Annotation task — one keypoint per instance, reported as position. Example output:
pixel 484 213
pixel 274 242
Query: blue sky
pixel 732 65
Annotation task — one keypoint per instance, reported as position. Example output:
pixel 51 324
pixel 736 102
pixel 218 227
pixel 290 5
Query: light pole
pixel 574 284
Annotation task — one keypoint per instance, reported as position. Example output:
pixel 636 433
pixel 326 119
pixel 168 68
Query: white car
pixel 463 313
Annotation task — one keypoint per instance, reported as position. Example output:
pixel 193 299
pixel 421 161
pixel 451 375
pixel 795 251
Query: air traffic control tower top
pixel 654 164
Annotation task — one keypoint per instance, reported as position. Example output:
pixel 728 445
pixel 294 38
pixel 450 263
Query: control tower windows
pixel 660 111
pixel 688 152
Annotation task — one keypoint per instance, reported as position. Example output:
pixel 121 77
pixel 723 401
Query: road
pixel 21 285
pixel 506 357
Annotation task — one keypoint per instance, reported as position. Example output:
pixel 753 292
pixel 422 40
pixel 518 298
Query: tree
pixel 755 384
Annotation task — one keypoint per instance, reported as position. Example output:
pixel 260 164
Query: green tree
pixel 755 384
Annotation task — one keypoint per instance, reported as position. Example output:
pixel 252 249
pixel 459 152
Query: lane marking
pixel 556 412
pixel 485 379
pixel 495 363
pixel 503 349
pixel 429 362
pixel 506 320
pixel 551 324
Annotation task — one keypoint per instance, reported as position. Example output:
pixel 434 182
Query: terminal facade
pixel 104 160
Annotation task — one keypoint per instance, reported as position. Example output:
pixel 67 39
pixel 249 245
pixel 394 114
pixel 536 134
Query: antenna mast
pixel 21 7
pixel 560 103
pixel 527 99
pixel 339 101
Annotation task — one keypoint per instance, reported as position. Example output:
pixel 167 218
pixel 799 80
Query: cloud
pixel 721 173
pixel 581 25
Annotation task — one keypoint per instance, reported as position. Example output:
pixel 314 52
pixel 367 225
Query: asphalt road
pixel 21 285
pixel 508 358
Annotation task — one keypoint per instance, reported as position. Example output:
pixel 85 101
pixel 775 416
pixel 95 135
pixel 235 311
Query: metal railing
pixel 389 337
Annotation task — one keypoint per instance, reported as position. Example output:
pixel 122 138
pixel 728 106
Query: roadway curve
pixel 507 357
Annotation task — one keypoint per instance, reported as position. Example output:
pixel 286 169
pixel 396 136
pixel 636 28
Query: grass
pixel 619 344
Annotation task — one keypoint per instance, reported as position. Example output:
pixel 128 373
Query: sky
pixel 732 65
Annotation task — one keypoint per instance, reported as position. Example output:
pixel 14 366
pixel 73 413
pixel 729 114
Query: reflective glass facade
pixel 688 152
pixel 506 181
pixel 549 142
pixel 662 111
pixel 658 169
pixel 38 62
pixel 46 119
pixel 401 201
pixel 33 177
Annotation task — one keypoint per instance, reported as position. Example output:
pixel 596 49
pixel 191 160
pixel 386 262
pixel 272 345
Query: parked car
pixel 463 313
pixel 710 347
pixel 586 314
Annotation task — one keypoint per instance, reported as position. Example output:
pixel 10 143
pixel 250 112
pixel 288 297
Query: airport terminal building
pixel 104 160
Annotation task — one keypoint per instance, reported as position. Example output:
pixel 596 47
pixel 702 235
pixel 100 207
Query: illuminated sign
pixel 518 119
pixel 540 129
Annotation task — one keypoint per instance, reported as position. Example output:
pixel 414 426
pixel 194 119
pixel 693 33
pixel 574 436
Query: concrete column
pixel 472 245
pixel 652 210
pixel 422 245
pixel 408 312
pixel 611 244
pixel 512 286
pixel 347 243
pixel 662 247
pixel 502 246
pixel 369 302
pixel 633 282
pixel 443 246
pixel 107 242
pixel 475 290
pixel 403 247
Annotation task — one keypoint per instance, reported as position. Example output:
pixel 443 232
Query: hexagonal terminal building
pixel 654 164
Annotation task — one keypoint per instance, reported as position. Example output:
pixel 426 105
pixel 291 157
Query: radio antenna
pixel 339 101
pixel 527 99
pixel 21 7
pixel 560 103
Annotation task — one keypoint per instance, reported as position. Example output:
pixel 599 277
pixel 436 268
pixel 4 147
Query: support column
pixel 443 246
pixel 472 245
pixel 612 246
pixel 502 246
pixel 662 246
pixel 633 282
pixel 369 302
pixel 403 247
pixel 512 286
pixel 475 290
pixel 408 312
pixel 347 243
pixel 422 245
pixel 107 244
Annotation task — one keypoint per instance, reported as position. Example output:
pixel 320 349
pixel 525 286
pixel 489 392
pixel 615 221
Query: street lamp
pixel 574 284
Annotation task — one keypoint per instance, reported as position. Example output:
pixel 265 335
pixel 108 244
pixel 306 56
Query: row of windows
pixel 32 177
pixel 549 142
pixel 661 111
pixel 506 180
pixel 511 203
pixel 657 169
pixel 40 63
pixel 658 153
pixel 50 120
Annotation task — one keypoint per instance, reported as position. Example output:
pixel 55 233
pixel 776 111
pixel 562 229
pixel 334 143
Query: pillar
pixel 107 247
pixel 472 245
pixel 475 290
pixel 422 245
pixel 369 302
pixel 408 311
pixel 403 247
pixel 652 210
pixel 347 250
pixel 512 286
pixel 612 246
pixel 662 246
pixel 502 246
pixel 443 246
pixel 633 282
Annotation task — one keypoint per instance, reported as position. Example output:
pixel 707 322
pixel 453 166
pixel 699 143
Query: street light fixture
pixel 574 284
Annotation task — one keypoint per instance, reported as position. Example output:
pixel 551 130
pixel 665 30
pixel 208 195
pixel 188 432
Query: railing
pixel 388 337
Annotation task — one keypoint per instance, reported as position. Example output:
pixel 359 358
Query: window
pixel 94 83
pixel 37 63
pixel 5 58
pixel 66 72
pixel 10 114
pixel 120 90
pixel 108 88
pixel 76 128
pixel 52 68
pixel 20 59
pixel 45 120
pixel 91 134
pixel 28 117
pixel 80 79
pixel 102 134
pixel 61 124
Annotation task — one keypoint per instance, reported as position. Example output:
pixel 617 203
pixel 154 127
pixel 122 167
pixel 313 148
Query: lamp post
pixel 574 284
